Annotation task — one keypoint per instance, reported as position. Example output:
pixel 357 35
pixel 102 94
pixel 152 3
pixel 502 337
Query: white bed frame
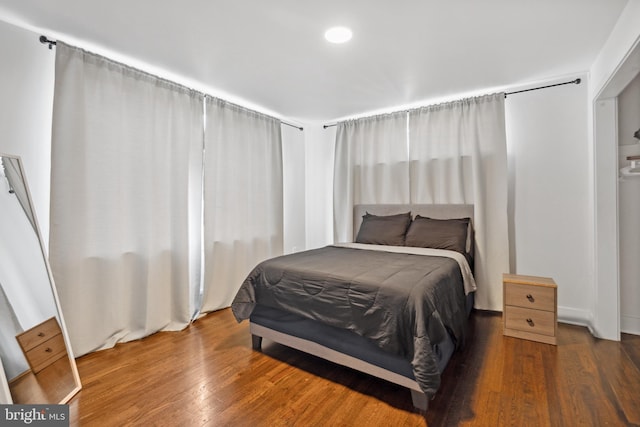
pixel 420 401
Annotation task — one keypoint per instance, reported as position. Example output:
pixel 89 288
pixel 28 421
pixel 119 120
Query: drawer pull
pixel 41 334
pixel 48 349
pixel 530 322
pixel 530 298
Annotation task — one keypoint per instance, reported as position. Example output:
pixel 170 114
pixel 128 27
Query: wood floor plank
pixel 621 379
pixel 208 375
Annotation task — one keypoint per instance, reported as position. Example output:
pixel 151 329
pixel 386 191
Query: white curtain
pixel 458 155
pixel 371 166
pixel 126 169
pixel 243 201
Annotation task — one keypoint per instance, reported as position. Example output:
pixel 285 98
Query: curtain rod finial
pixel 44 40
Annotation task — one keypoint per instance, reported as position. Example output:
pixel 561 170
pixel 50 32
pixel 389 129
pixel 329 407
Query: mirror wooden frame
pixel 29 379
pixel 5 393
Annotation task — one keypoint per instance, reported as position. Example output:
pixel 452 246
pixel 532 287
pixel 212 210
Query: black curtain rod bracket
pixel 45 40
pixel 576 81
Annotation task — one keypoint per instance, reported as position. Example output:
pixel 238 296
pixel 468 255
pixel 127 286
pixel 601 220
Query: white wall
pixel 293 174
pixel 549 203
pixel 319 145
pixel 26 85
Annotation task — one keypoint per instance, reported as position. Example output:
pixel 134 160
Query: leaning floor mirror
pixel 36 360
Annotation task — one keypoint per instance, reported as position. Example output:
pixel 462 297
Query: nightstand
pixel 530 308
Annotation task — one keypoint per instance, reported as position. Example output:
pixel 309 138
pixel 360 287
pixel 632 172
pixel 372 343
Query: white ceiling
pixel 272 54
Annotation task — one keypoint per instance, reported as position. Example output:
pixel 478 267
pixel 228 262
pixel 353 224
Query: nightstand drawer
pixel 528 296
pixel 529 320
pixel 38 334
pixel 46 353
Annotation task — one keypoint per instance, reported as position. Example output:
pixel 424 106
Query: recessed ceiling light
pixel 338 34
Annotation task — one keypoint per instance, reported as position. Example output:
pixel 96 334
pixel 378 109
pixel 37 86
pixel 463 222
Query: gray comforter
pixel 404 303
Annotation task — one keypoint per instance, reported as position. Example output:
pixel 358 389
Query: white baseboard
pixel 630 324
pixel 574 316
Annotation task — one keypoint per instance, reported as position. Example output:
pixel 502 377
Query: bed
pixel 392 304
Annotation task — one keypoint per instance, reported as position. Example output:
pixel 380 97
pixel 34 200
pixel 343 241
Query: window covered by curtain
pixel 243 200
pixel 125 183
pixel 371 166
pixel 458 154
pixel 445 154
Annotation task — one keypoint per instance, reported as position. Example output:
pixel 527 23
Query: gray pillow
pixel 384 230
pixel 450 234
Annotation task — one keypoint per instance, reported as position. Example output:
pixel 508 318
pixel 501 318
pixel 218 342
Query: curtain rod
pixel 576 81
pixel 293 126
pixel 45 40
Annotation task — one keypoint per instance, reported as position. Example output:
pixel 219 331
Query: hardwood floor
pixel 208 375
